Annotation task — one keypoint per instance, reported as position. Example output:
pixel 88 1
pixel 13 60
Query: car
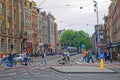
pixel 18 57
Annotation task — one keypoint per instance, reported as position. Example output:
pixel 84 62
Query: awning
pixel 116 44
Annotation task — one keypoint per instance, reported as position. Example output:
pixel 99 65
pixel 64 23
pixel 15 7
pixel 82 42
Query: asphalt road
pixel 48 74
pixel 42 72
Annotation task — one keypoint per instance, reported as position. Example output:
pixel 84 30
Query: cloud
pixel 73 15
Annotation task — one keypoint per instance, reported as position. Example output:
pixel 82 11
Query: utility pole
pixel 99 41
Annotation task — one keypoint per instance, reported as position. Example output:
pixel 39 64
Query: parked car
pixel 18 57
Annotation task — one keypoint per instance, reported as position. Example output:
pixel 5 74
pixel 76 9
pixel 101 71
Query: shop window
pixel 1 8
pixel 2 44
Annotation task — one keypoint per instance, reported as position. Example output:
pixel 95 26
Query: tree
pixel 75 38
pixel 67 37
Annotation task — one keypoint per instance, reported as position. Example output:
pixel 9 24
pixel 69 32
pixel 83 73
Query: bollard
pixel 102 61
pixel 101 64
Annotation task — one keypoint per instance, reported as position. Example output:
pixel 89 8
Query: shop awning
pixel 116 44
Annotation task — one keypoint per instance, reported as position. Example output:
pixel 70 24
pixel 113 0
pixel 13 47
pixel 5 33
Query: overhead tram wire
pixel 67 7
pixel 41 3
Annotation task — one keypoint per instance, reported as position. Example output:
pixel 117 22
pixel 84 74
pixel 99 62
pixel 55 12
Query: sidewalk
pixel 2 68
pixel 84 67
pixel 81 69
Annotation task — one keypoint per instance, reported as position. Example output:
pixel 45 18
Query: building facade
pixel 115 29
pixel 56 38
pixel 40 30
pixel 28 30
pixel 23 26
pixel 44 31
pixel 9 26
pixel 35 26
pixel 51 34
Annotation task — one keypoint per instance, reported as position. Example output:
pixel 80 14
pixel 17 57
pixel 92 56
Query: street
pixel 43 72
pixel 59 39
pixel 48 74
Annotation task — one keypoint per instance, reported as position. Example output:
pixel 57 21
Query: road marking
pixel 37 73
pixel 11 74
pixel 25 73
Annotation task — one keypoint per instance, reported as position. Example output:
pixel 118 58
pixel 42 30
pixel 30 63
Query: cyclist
pixel 3 59
pixel 26 58
pixel 68 57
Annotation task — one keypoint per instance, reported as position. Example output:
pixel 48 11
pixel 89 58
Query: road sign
pixel 102 55
pixel 99 45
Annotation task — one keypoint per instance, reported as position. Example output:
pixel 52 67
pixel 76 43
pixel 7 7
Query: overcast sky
pixel 72 17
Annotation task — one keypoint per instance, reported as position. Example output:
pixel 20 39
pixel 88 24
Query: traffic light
pixel 95 5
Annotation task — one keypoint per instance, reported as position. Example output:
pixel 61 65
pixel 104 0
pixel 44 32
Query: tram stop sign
pixel 102 55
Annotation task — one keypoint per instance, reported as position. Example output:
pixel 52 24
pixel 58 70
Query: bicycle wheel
pixel 30 61
pixel 60 62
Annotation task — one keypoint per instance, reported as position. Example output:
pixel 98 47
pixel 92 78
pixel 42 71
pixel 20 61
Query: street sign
pixel 102 55
pixel 99 45
pixel 82 46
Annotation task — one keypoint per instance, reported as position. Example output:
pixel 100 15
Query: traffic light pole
pixel 99 41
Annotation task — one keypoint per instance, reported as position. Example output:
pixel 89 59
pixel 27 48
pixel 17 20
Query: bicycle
pixel 64 61
pixel 27 61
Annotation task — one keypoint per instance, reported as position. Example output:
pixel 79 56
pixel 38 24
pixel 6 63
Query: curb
pixel 83 72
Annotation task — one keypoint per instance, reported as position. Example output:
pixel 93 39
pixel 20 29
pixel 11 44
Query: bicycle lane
pixel 37 61
pixel 51 61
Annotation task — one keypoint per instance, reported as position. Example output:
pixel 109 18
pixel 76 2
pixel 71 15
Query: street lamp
pixel 96 10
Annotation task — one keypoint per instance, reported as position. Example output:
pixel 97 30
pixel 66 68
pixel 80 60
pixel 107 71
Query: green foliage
pixel 75 38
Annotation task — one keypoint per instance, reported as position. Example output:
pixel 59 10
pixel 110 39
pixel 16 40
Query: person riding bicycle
pixel 64 55
pixel 4 58
pixel 10 60
pixel 26 58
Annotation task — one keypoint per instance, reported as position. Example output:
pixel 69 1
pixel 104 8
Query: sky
pixel 69 15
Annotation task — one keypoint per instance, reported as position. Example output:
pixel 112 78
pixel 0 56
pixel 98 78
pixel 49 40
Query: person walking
pixel 84 56
pixel 91 56
pixel 105 53
pixel 43 57
pixel 87 57
pixel 108 55
pixel 111 56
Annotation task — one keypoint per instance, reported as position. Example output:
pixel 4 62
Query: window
pixel 9 43
pixel 14 3
pixel 1 8
pixel 2 29
pixel 8 1
pixel 14 15
pixel 15 45
pixel 2 44
pixel 15 30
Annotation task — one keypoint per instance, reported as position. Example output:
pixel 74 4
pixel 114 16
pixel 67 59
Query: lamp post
pixel 96 10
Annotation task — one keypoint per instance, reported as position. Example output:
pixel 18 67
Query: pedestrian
pixel 111 56
pixel 105 53
pixel 91 56
pixel 84 56
pixel 43 57
pixel 108 55
pixel 87 57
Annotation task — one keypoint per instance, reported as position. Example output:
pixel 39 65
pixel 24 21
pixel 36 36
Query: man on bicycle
pixel 26 58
